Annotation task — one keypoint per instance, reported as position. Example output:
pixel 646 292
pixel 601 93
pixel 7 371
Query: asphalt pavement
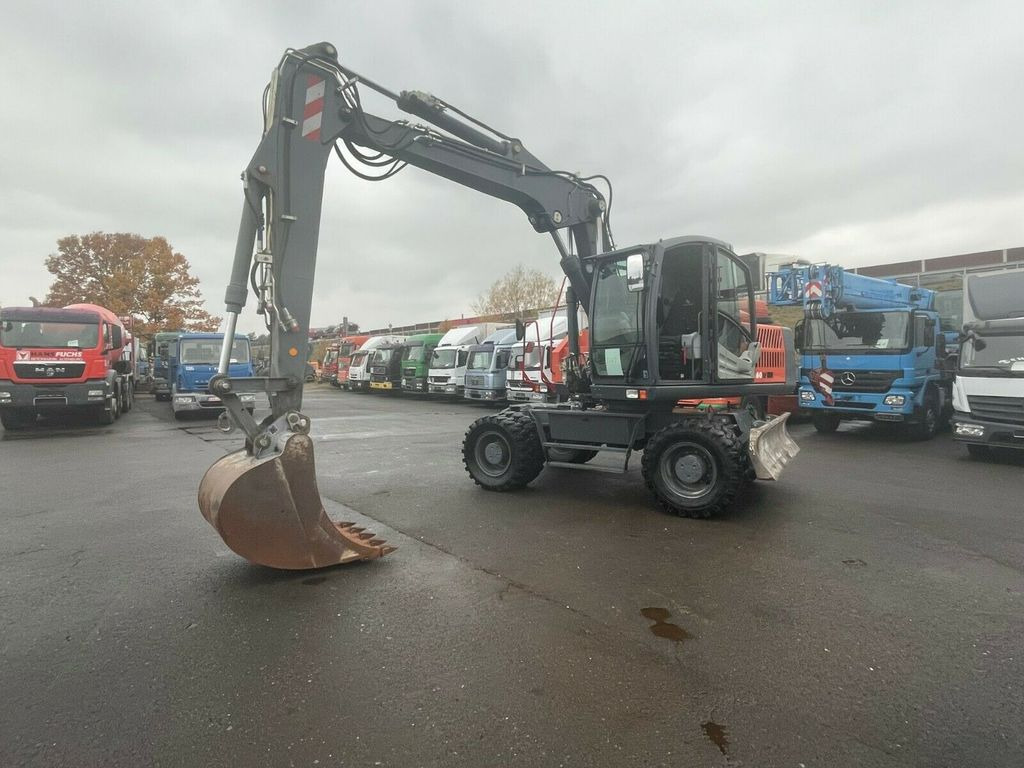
pixel 865 610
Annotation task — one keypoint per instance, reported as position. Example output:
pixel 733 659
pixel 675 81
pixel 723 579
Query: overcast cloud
pixel 855 132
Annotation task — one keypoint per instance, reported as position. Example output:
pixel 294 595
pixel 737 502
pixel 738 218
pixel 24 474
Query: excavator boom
pixel 262 499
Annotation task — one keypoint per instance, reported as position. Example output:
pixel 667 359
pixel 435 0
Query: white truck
pixel 530 376
pixel 988 391
pixel 447 374
pixel 359 368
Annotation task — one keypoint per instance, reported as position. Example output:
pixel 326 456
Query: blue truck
pixel 871 349
pixel 192 360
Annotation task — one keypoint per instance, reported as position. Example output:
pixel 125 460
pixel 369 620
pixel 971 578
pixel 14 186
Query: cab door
pixel 733 332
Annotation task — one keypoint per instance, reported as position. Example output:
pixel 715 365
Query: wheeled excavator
pixel 667 320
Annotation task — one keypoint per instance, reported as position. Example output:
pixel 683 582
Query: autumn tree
pixel 519 290
pixel 129 275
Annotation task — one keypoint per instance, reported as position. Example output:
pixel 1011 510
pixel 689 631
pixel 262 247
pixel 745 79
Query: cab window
pixel 734 323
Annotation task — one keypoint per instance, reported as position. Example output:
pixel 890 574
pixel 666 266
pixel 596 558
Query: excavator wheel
pixel 502 452
pixel 268 510
pixel 694 468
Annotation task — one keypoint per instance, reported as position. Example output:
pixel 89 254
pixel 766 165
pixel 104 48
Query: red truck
pixel 345 347
pixel 59 361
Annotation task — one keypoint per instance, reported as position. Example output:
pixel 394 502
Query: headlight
pixel 806 396
pixel 184 398
pixel 895 400
pixel 92 393
pixel 247 398
pixel 969 430
pixel 8 394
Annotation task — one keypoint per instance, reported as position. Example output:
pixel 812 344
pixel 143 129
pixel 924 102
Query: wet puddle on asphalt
pixel 663 628
pixel 717 735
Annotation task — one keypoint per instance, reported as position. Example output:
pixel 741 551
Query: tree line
pixel 144 277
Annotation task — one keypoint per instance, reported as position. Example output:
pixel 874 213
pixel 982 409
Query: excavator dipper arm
pixel 263 499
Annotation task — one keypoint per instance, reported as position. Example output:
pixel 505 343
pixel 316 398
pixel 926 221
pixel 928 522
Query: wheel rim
pixel 688 470
pixel 493 453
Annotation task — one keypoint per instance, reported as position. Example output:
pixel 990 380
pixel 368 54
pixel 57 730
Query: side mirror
pixel 968 334
pixel 116 339
pixel 520 330
pixel 635 272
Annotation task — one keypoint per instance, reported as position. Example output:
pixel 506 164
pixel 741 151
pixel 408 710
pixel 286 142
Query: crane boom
pixel 823 289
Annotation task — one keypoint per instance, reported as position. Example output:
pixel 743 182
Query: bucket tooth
pixel 268 510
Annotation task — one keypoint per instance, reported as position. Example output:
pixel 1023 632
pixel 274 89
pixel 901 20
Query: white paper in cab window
pixel 613 362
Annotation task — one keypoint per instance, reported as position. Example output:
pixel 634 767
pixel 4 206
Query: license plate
pixel 381 385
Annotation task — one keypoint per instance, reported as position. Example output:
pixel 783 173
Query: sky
pixel 855 133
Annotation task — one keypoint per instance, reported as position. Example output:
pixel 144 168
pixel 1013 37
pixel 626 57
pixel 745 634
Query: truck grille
pixel 438 379
pixel 864 381
pixel 49 370
pixel 474 381
pixel 1008 410
pixel 408 371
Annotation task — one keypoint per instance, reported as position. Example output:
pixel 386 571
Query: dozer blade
pixel 771 448
pixel 269 511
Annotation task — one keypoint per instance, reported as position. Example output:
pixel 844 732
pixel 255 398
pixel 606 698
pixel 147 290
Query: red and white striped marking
pixel 813 290
pixel 822 380
pixel 313 114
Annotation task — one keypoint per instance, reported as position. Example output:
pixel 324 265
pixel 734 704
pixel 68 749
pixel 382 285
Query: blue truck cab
pixel 870 349
pixel 191 363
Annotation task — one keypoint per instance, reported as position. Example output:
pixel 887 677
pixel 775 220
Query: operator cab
pixel 637 342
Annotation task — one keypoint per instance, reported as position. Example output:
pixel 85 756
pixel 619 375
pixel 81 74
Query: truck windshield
pixel 532 358
pixel 480 360
pixel 1002 352
pixel 858 332
pixel 357 360
pixel 415 353
pixel 444 358
pixel 37 335
pixel 331 357
pixel 207 351
pixel 383 355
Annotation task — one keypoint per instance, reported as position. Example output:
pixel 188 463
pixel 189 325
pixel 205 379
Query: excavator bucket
pixel 771 448
pixel 268 510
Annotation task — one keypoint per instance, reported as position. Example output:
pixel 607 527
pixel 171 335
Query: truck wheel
pixel 974 450
pixel 105 416
pixel 826 423
pixel 502 452
pixel 928 426
pixel 571 455
pixel 694 468
pixel 15 419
